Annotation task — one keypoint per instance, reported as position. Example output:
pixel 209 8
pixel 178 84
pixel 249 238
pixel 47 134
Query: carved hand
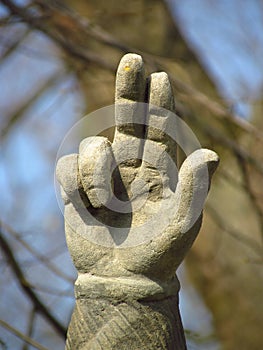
pixel 130 217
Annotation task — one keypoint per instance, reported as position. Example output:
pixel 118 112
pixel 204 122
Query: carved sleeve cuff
pixel 124 288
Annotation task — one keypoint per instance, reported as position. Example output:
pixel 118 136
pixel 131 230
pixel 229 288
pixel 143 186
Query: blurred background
pixel 57 63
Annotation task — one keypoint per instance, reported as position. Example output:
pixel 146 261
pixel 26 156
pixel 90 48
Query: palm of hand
pixel 146 225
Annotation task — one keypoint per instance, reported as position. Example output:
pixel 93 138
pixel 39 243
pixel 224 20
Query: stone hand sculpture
pixel 130 219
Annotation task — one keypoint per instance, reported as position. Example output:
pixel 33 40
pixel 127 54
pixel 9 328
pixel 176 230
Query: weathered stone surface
pixel 130 219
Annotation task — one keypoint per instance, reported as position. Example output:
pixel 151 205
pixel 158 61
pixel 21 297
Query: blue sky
pixel 228 37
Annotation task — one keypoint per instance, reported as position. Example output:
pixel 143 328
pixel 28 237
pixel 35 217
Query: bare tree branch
pixel 218 110
pixel 38 22
pixel 25 285
pixel 50 9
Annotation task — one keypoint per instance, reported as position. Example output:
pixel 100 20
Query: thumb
pixel 194 181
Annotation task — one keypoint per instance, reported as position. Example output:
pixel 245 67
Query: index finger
pixel 130 89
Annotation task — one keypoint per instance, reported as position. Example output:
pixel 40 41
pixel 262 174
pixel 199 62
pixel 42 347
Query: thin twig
pixel 20 335
pixel 55 78
pixel 30 327
pixel 247 241
pixel 11 47
pixel 231 179
pixel 42 258
pixel 51 291
pixel 26 50
pixel 237 149
pixel 250 191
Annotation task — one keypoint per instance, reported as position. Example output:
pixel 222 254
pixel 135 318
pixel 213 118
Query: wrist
pixel 124 288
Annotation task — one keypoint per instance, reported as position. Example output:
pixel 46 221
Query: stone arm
pixel 127 246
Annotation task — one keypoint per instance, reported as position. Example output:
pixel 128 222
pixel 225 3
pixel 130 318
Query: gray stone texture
pixel 127 293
